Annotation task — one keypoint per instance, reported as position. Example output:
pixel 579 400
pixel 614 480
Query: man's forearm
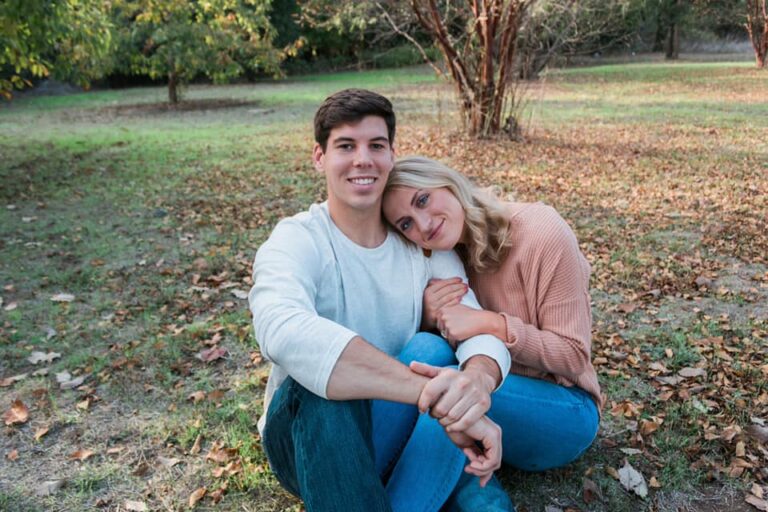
pixel 365 372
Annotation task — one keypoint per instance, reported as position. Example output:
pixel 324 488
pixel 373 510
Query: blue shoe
pixel 468 496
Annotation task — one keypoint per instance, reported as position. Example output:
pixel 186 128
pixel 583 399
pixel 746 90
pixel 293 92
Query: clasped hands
pixel 459 400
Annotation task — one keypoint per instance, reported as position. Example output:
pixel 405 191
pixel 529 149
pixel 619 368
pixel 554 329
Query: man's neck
pixel 364 227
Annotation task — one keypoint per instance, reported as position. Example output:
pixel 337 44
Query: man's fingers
pixel 468 418
pixel 427 370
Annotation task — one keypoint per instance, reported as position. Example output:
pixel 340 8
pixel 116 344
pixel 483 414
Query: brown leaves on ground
pixel 196 496
pixel 16 414
pixel 81 455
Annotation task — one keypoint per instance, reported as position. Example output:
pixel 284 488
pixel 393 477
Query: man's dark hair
pixel 351 106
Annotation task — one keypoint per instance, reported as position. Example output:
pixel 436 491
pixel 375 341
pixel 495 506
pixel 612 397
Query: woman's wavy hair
pixel 484 214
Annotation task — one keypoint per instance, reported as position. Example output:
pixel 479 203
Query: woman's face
pixel 431 218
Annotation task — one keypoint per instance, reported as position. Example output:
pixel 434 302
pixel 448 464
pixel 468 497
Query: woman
pixel 524 265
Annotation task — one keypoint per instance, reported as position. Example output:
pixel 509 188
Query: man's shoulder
pixel 305 233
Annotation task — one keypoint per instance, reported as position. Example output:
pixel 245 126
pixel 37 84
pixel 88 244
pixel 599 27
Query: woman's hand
pixel 438 294
pixel 458 322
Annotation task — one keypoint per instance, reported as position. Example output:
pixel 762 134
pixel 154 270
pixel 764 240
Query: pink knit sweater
pixel 542 290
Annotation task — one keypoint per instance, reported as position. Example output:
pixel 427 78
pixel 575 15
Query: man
pixel 335 301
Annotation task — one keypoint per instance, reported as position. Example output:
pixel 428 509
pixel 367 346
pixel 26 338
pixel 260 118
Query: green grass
pixel 151 220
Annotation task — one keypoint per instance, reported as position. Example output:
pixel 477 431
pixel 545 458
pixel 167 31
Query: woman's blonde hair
pixel 484 214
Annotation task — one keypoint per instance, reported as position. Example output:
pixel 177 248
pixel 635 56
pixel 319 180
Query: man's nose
pixel 363 157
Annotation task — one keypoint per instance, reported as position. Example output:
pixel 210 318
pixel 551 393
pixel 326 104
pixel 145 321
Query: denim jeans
pixel 374 455
pixel 363 455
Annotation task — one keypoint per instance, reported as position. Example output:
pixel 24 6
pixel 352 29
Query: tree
pixel 757 28
pixel 181 39
pixel 478 41
pixel 569 28
pixel 66 39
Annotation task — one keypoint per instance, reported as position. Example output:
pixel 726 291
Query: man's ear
pixel 318 156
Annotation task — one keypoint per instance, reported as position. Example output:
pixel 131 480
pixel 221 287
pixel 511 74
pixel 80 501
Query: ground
pixel 128 233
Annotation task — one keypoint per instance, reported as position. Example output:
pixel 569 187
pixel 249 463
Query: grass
pixel 151 220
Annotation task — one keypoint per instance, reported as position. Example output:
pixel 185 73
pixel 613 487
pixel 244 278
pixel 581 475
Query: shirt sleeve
pixel 558 275
pixel 286 274
pixel 447 264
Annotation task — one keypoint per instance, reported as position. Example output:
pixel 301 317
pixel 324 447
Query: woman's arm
pixel 556 279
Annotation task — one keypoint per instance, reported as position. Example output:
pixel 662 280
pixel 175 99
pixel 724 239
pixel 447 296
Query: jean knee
pixel 427 348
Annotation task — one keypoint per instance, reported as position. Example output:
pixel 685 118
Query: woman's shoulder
pixel 533 214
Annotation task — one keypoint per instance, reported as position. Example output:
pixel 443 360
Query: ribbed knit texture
pixel 542 290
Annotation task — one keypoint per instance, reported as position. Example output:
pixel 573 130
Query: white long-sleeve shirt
pixel 314 290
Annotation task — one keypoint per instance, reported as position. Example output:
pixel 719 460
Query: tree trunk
pixel 482 67
pixel 757 28
pixel 673 41
pixel 173 88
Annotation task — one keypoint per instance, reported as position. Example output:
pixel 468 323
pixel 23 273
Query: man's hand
pixel 438 294
pixel 458 322
pixel 482 461
pixel 458 399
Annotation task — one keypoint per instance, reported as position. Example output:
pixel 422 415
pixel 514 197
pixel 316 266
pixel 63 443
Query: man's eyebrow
pixel 343 139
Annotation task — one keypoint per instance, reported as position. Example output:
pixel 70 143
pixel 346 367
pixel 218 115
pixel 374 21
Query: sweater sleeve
pixel 286 274
pixel 558 277
pixel 447 264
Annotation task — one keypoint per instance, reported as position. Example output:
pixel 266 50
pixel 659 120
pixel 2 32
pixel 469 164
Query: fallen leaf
pixel 219 454
pixel 633 480
pixel 50 332
pixel 626 308
pixel 49 487
pixel 692 372
pixel 757 491
pixel 757 502
pixel 612 472
pixel 197 396
pixel 653 482
pixel 211 354
pixel 591 491
pixel 63 297
pixel 18 413
pixel 240 294
pixel 115 450
pixel 9 381
pixel 741 449
pixel 196 496
pixel 136 506
pixel 84 405
pixel 39 433
pixel 552 508
pixel 758 432
pixel 81 455
pixel 12 455
pixel 11 306
pixel 71 384
pixel 169 463
pixel 218 494
pixel 63 377
pixel 38 357
pixel 196 447
pixel 631 451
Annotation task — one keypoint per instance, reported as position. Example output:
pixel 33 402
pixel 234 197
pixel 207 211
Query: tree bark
pixel 757 28
pixel 482 69
pixel 673 41
pixel 173 88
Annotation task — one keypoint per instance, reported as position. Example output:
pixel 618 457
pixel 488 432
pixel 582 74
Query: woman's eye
pixel 405 225
pixel 422 200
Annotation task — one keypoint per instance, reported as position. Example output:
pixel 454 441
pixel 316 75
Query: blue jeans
pixel 373 455
pixel 363 455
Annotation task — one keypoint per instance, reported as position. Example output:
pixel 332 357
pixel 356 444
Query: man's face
pixel 357 160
